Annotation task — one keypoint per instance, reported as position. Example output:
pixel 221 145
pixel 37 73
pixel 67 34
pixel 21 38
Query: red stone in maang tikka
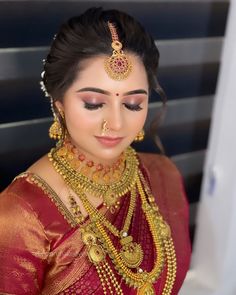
pixel 117 66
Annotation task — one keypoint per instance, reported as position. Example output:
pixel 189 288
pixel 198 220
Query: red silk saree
pixel 41 251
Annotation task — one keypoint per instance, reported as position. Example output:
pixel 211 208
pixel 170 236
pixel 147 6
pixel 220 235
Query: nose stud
pixel 104 127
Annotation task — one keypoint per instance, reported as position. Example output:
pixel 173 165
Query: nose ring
pixel 104 127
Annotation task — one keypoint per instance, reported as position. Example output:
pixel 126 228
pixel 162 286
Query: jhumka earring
pixel 118 66
pixel 55 130
pixel 140 136
pixel 104 127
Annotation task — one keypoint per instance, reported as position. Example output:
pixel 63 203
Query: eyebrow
pixel 98 90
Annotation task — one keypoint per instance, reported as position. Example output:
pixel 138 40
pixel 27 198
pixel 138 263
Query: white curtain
pixel 213 270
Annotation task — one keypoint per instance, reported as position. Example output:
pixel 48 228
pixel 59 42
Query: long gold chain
pixel 96 215
pixel 165 233
pixel 96 232
pixel 164 247
pixel 156 225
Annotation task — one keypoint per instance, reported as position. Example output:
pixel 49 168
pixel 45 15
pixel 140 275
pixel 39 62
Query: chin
pixel 109 154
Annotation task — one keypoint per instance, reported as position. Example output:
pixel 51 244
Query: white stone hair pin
pixel 42 85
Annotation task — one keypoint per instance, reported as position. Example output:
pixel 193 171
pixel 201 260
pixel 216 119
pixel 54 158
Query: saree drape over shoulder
pixel 41 251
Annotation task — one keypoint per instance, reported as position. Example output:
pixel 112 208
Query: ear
pixel 59 105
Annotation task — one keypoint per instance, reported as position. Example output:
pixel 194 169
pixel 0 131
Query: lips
pixel 109 141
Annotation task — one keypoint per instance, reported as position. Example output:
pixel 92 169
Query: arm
pixel 23 247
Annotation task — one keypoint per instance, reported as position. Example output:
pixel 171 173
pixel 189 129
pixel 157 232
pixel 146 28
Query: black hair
pixel 88 35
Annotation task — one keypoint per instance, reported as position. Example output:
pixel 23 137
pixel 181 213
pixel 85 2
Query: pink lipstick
pixel 109 141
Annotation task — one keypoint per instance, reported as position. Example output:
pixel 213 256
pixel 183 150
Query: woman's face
pixel 94 97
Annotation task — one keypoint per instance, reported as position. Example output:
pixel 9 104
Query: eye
pixel 133 107
pixel 92 106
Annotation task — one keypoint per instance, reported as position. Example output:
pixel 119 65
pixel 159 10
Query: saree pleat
pixel 41 251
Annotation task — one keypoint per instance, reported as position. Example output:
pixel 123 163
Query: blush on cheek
pixel 88 121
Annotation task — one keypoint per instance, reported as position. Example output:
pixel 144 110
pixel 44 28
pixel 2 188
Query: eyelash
pixel 133 107
pixel 92 107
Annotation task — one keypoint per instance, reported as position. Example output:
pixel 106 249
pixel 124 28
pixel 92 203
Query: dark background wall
pixel 189 35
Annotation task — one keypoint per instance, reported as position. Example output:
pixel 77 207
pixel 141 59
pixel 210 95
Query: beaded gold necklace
pixel 63 161
pixel 95 236
pixel 98 172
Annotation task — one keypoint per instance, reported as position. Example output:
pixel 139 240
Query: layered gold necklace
pixel 65 162
pixel 97 234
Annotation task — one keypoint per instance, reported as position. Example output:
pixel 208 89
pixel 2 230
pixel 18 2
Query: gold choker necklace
pixel 97 172
pixel 110 193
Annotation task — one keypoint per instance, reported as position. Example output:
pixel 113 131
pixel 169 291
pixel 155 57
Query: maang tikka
pixel 118 66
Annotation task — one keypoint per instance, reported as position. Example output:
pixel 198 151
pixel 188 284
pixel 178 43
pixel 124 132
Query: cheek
pixel 137 123
pixel 81 119
pixel 143 114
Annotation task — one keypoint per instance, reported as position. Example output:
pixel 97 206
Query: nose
pixel 115 118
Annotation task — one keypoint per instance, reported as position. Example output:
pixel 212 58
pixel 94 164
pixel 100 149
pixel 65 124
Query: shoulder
pixel 17 199
pixel 18 219
pixel 14 194
pixel 45 170
pixel 166 182
pixel 28 196
pixel 161 164
pixel 22 191
pixel 24 244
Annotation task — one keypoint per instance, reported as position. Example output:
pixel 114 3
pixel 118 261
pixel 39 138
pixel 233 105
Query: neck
pixel 69 143
pixel 101 172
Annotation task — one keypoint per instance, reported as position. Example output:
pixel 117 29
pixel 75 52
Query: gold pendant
pixel 164 228
pixel 110 199
pixel 146 289
pixel 96 254
pixel 88 237
pixel 118 66
pixel 131 253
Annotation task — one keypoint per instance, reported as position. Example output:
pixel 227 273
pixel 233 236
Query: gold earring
pixel 104 127
pixel 140 136
pixel 55 130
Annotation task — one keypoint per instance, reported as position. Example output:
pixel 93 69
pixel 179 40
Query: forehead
pixel 93 74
